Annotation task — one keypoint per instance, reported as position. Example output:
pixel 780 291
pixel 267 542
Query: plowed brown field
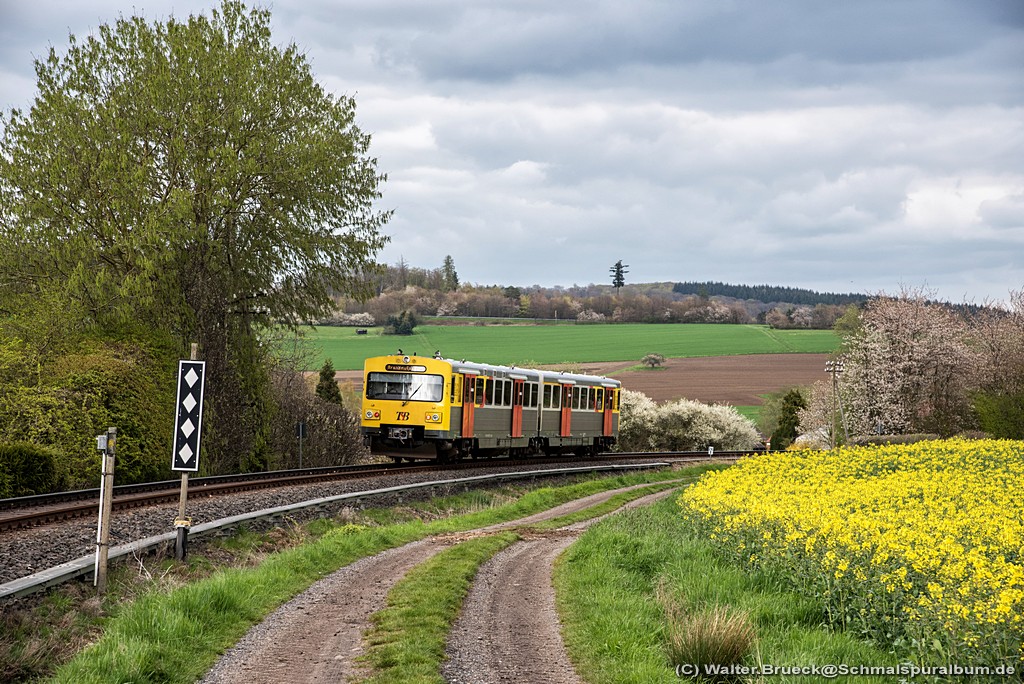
pixel 734 380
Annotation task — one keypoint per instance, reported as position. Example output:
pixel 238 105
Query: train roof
pixel 533 373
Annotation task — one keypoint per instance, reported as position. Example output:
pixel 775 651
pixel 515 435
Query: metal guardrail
pixel 84 566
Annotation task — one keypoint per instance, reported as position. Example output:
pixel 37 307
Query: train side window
pixel 531 395
pixel 481 389
pixel 599 399
pixel 552 396
pixel 508 392
pixel 585 398
pixel 499 392
pixel 490 392
pixel 614 400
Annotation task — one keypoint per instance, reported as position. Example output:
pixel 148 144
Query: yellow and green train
pixel 417 407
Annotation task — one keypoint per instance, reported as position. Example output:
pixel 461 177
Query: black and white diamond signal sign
pixel 188 422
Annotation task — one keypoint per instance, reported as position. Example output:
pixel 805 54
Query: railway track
pixel 48 554
pixel 43 509
pixel 29 511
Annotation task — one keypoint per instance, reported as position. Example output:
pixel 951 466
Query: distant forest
pixel 767 293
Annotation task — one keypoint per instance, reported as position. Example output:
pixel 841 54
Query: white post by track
pixel 107 445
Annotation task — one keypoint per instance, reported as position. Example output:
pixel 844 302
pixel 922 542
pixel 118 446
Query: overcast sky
pixel 829 144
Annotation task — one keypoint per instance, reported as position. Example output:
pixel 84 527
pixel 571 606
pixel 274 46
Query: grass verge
pixel 618 631
pixel 175 635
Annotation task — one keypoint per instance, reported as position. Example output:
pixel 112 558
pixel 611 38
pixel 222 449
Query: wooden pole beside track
pixel 106 505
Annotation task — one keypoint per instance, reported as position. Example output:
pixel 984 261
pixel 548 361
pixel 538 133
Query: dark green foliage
pixel 402 324
pixel 449 276
pixel 327 386
pixel 1001 414
pixel 619 271
pixel 767 293
pixel 789 419
pixel 27 469
pixel 69 400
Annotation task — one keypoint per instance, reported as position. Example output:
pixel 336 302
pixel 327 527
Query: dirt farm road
pixel 508 630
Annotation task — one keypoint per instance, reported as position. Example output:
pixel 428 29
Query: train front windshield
pixel 405 387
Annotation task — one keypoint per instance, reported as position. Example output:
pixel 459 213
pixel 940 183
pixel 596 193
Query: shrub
pixel 636 421
pixel 589 316
pixel 27 469
pixel 79 394
pixel 332 431
pixel 681 425
pixel 402 324
pixel 1001 414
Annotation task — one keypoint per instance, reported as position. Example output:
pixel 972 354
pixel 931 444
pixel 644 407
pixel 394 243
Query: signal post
pixel 188 430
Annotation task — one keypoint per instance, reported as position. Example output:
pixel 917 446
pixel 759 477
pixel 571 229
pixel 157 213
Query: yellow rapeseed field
pixel 917 545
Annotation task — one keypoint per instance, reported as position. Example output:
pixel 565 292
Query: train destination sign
pixel 188 421
pixel 405 368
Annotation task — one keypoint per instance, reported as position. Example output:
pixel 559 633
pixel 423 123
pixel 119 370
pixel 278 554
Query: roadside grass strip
pixel 407 641
pixel 918 546
pixel 176 635
pixel 610 588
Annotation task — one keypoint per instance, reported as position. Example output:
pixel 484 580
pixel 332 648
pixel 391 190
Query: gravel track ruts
pixel 317 636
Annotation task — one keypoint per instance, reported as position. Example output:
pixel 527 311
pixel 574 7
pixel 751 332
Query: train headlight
pixel 433 418
pixel 373 415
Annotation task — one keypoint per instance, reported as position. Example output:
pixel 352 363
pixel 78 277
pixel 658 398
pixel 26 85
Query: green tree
pixel 193 177
pixel 450 279
pixel 619 271
pixel 653 360
pixel 401 324
pixel 789 419
pixel 327 386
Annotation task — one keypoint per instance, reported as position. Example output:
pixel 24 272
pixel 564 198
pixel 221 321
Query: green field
pixel 549 344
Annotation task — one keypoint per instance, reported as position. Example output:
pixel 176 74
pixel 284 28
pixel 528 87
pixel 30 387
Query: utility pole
pixel 836 368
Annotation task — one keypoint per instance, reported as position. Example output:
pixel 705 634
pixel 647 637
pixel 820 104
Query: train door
pixel 468 404
pixel 609 398
pixel 566 424
pixel 517 408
